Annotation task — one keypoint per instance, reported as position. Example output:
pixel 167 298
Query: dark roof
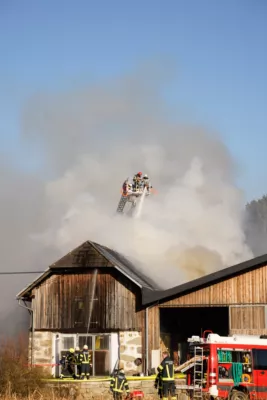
pixel 27 290
pixel 130 268
pixel 153 296
pixel 87 256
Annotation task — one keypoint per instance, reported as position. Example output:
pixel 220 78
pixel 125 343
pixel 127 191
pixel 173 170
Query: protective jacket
pixel 119 383
pixel 166 368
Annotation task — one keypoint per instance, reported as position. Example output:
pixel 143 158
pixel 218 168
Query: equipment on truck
pixel 133 190
pixel 226 367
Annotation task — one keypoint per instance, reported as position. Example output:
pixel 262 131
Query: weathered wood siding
pixel 63 302
pixel 248 320
pixel 153 333
pixel 153 328
pixel 248 288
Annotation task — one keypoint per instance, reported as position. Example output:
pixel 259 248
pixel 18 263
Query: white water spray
pixel 91 303
pixel 140 204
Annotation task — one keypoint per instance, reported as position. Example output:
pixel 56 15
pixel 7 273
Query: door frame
pixel 58 348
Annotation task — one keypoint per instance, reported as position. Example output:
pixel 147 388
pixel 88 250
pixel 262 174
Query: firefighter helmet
pixel 71 350
pixel 85 347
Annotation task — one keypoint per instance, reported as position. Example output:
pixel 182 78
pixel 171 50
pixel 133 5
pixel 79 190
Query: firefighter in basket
pixel 119 384
pixel 137 181
pixel 127 188
pixel 146 183
pixel 166 368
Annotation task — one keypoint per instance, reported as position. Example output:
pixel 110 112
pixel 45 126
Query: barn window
pixel 79 311
pixel 68 342
pixel 102 342
pixel 85 340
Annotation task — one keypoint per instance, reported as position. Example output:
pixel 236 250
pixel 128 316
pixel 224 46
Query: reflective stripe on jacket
pixel 166 368
pixel 85 357
pixel 118 383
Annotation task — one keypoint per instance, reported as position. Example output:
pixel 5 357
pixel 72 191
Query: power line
pixel 21 272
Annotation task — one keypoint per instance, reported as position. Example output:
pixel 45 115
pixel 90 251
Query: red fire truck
pixel 226 367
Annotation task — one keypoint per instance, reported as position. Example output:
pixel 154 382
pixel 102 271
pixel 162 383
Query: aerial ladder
pixel 131 194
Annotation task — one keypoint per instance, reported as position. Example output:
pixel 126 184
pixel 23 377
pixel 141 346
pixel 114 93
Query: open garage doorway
pixel 178 324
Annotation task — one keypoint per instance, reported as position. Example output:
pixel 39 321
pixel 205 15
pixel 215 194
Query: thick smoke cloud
pixel 98 137
pixel 20 200
pixel 89 140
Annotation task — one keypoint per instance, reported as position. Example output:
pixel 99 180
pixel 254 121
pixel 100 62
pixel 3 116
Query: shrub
pixel 17 377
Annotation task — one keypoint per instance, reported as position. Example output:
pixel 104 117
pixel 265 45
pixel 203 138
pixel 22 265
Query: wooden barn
pixel 96 296
pixel 230 301
pixel 90 296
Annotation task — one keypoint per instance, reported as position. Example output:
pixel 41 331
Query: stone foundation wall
pixel 42 349
pixel 130 349
pixel 100 390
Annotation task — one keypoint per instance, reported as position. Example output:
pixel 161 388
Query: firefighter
pixel 158 384
pixel 78 361
pixel 125 187
pixel 130 188
pixel 146 184
pixel 63 364
pixel 137 180
pixel 166 369
pixel 70 362
pixel 85 362
pixel 119 384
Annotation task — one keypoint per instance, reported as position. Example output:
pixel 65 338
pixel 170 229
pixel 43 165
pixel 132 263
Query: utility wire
pixel 21 272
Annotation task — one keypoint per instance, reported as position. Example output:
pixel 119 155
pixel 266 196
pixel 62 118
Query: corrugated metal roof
pixel 154 296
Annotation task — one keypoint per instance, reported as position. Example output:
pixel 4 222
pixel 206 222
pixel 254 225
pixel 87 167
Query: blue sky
pixel 218 47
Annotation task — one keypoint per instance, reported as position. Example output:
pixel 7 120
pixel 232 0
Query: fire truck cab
pixel 227 367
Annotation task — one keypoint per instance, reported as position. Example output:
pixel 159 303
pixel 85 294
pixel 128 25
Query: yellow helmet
pixel 71 350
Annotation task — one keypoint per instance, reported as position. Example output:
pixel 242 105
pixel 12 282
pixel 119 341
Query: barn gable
pixel 91 255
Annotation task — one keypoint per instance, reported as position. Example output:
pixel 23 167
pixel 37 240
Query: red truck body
pixel 234 367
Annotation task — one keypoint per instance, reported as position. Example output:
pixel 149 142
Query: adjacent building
pixel 96 296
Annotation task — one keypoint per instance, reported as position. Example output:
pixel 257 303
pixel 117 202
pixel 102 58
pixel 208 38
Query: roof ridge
pixel 205 280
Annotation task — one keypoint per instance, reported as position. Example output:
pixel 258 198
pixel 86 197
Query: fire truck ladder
pixel 198 373
pixel 121 204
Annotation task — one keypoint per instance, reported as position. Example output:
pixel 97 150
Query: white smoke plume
pixel 96 138
pixel 88 141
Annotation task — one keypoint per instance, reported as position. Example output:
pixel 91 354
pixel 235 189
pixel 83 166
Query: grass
pixel 17 378
pixel 19 381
